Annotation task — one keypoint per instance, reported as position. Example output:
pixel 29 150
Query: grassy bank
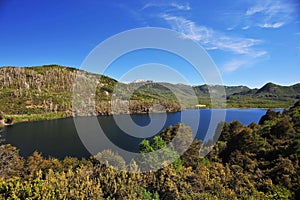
pixel 36 117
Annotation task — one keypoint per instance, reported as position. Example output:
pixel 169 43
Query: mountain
pixel 229 90
pixel 47 91
pixel 271 89
pixel 270 95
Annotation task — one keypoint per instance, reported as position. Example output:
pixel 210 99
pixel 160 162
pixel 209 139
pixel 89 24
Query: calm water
pixel 59 138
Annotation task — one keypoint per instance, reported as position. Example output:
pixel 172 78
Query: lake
pixel 59 138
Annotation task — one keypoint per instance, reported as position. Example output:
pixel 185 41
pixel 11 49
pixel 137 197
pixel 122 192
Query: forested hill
pixel 48 89
pixel 34 90
pixel 275 94
pixel 268 96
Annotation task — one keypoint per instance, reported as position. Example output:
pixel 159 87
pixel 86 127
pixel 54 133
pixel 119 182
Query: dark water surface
pixel 59 138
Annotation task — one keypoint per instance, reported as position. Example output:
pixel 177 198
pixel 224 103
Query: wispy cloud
pixel 255 9
pixel 245 27
pixel 270 8
pixel 233 65
pixel 270 13
pixel 212 39
pixel 237 63
pixel 184 7
pixel 275 25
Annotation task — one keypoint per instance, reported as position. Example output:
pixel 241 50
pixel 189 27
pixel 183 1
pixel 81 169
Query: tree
pixel 1 116
pixel 270 115
pixel 11 163
pixel 283 128
pixel 145 146
pixel 158 143
pixel 111 159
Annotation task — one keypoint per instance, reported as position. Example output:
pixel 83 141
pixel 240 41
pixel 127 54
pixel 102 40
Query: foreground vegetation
pixel 45 92
pixel 259 161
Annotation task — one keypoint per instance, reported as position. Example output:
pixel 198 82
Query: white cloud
pixel 241 62
pixel 257 9
pixel 211 48
pixel 177 6
pixel 270 8
pixel 261 53
pixel 270 13
pixel 181 7
pixel 233 65
pixel 275 25
pixel 148 5
pixel 211 39
pixel 246 27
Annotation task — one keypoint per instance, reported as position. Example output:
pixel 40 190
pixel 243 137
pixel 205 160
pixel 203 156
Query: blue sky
pixel 251 41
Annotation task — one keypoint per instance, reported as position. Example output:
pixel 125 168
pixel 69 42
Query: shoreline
pixel 63 115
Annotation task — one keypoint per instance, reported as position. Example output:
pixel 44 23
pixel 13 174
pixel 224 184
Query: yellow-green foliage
pixel 260 161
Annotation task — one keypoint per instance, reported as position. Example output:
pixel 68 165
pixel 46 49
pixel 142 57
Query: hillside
pixel 45 92
pixel 270 95
pixel 273 90
pixel 38 90
pixel 230 90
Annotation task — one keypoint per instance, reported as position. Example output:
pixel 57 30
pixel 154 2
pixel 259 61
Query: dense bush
pixel 259 161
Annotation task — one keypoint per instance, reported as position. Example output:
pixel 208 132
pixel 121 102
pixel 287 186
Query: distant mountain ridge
pixel 278 90
pixel 230 90
pixel 48 89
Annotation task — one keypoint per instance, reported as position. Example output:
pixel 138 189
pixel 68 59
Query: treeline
pixel 259 161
